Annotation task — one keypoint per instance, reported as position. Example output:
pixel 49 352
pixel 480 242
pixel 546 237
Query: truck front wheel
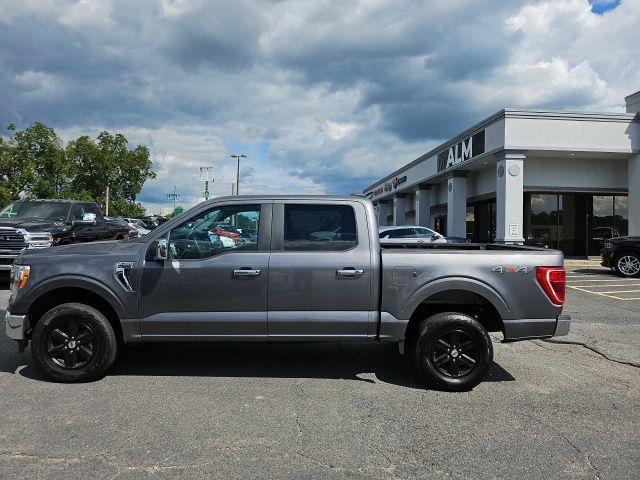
pixel 452 351
pixel 74 342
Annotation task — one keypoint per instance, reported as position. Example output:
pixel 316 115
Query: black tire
pixel 627 265
pixel 452 351
pixel 74 342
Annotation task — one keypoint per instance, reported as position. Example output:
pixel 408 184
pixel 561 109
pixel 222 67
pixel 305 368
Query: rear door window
pixel 401 233
pixel 310 227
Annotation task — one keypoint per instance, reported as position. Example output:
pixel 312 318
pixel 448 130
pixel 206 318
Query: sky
pixel 321 96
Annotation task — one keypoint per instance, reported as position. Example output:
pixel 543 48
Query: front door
pixel 214 284
pixel 320 273
pixel 88 233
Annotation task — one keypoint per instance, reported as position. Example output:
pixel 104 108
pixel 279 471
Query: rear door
pixel 320 277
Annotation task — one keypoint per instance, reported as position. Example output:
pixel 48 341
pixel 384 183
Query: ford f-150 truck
pixel 315 272
pixel 35 224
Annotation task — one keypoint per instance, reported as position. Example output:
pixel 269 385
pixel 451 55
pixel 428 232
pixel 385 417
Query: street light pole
pixel 238 157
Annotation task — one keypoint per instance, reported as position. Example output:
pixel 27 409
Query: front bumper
pixel 16 326
pixel 7 259
pixel 607 259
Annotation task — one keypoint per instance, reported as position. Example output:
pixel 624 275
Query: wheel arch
pixel 57 293
pixel 467 296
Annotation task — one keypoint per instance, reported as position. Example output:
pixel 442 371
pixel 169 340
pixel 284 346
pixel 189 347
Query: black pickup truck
pixel 36 224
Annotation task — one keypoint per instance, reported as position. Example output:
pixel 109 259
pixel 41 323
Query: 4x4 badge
pixel 511 269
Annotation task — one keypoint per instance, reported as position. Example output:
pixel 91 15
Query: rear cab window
pixel 319 227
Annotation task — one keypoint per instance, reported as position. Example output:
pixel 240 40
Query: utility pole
pixel 173 196
pixel 106 208
pixel 238 157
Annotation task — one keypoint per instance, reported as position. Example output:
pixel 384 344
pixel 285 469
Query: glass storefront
pixel 481 222
pixel 577 224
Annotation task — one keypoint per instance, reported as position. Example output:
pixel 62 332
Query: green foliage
pixel 120 206
pixel 35 163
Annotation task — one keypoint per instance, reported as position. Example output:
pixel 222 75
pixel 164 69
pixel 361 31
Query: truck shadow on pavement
pixel 369 363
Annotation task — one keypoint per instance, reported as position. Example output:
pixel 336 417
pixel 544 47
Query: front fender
pixel 455 283
pixel 45 286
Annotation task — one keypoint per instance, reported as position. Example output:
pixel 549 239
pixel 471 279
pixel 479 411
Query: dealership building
pixel 550 178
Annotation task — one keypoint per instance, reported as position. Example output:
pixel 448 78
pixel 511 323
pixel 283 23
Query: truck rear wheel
pixel 452 351
pixel 74 342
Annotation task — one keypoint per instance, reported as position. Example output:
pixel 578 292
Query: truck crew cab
pixel 315 272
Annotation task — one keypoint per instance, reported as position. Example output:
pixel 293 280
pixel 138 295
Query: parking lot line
pixel 621 291
pixel 602 294
pixel 605 285
pixel 605 280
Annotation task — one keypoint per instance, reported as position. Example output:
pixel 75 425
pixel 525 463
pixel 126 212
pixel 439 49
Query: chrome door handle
pixel 246 272
pixel 350 272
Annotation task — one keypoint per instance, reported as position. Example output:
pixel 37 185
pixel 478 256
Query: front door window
pixel 219 230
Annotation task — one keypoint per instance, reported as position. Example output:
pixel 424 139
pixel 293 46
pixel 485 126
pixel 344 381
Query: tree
pixel 110 163
pixel 32 161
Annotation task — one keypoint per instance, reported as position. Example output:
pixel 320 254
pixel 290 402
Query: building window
pixel 577 224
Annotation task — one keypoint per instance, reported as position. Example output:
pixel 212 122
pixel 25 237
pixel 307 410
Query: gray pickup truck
pixel 315 272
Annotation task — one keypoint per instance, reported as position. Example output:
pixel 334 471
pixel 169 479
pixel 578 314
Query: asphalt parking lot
pixel 548 410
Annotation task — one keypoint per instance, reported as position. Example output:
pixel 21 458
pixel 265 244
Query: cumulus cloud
pixel 321 96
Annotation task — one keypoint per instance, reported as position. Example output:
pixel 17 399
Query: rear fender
pixel 455 283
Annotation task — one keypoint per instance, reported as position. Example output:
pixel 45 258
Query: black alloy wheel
pixel 455 353
pixel 451 351
pixel 74 342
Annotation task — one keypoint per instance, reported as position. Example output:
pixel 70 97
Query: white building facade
pixel 559 179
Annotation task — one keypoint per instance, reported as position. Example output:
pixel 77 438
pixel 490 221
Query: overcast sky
pixel 322 96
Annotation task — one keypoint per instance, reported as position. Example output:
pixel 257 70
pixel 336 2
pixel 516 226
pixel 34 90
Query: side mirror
pixel 87 219
pixel 162 250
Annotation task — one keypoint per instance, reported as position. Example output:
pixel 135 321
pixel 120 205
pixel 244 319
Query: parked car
pixel 137 225
pixel 623 255
pixel 149 223
pixel 409 234
pixel 36 224
pixel 317 274
pixel 457 239
pixel 227 232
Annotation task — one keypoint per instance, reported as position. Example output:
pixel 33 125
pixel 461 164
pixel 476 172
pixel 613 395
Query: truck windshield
pixel 49 211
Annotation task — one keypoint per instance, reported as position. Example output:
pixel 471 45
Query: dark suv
pixel 623 255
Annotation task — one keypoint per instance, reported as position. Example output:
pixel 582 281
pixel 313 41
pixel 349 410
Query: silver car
pixel 409 234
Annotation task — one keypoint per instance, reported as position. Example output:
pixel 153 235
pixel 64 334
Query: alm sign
pixel 461 152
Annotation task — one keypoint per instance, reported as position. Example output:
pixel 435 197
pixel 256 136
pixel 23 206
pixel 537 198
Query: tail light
pixel 553 281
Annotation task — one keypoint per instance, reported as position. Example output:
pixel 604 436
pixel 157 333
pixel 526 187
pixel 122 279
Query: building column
pixel 382 214
pixel 509 196
pixel 423 205
pixel 457 205
pixel 399 207
pixel 634 195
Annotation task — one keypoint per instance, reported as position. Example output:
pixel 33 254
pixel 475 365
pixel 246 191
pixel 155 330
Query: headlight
pixel 38 239
pixel 19 277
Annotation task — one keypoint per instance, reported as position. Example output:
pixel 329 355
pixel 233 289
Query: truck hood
pixel 93 248
pixel 32 224
pixel 629 239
